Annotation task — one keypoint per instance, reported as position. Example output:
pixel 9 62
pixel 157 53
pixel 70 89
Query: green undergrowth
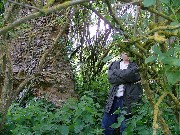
pixel 39 117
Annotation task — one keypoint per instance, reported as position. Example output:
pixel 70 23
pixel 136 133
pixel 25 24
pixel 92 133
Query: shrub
pixel 42 118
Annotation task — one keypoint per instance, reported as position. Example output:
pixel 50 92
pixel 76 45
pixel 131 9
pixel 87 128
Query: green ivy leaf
pixel 148 3
pixel 161 57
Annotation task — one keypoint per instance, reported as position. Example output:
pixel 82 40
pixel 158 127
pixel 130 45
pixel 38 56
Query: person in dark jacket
pixel 126 90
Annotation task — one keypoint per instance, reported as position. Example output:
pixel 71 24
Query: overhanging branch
pixel 160 14
pixel 155 30
pixel 113 15
pixel 38 14
pixel 100 16
pixel 25 5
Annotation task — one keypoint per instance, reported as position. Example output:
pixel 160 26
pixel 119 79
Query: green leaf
pixel 117 111
pixel 150 59
pixel 176 3
pixel 165 1
pixel 107 58
pixel 156 49
pixel 64 130
pixel 171 61
pixel 78 128
pixel 107 17
pixel 174 23
pixel 173 77
pixel 161 57
pixel 116 125
pixel 148 3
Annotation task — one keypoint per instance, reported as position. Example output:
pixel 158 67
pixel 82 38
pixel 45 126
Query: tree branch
pixel 150 97
pixel 136 20
pixel 130 3
pixel 155 30
pixel 23 84
pixel 113 15
pixel 160 14
pixel 25 5
pixel 38 14
pixel 156 110
pixel 48 51
pixel 100 16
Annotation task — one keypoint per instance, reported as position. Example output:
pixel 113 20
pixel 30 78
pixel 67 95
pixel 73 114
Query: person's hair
pixel 123 52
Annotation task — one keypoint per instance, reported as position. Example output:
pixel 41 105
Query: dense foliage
pixel 39 117
pixel 97 31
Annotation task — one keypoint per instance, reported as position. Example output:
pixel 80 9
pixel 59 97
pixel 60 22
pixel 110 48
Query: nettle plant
pixel 42 118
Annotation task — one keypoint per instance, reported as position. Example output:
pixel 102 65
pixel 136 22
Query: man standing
pixel 125 91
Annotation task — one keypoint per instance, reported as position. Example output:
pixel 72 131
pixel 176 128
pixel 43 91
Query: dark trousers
pixel 110 118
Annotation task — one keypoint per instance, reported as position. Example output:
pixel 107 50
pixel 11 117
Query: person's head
pixel 125 56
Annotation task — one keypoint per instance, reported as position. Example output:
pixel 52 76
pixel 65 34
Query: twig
pixel 175 100
pixel 25 5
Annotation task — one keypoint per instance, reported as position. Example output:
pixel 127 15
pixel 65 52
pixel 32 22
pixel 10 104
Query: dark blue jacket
pixel 129 77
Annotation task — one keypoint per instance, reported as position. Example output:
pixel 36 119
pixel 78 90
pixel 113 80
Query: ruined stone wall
pixel 30 41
